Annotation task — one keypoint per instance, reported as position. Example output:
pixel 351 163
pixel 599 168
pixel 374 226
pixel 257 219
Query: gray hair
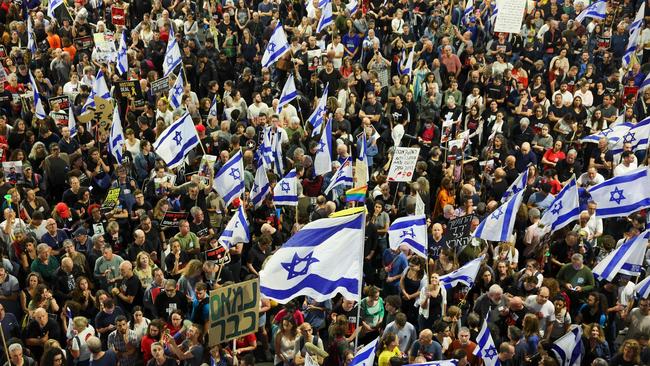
pixel 534 213
pixel 94 344
pixel 577 256
pixel 41 247
pixel 195 210
pixel 572 152
pixel 96 238
pixel 599 362
pixel 15 347
pixel 495 289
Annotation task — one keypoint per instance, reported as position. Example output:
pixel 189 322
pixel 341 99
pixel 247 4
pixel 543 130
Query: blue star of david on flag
pixel 616 196
pixel 235 173
pixel 178 138
pixel 497 213
pixel 321 146
pixel 271 47
pixel 490 352
pixel 408 233
pixel 285 187
pixel 629 137
pixel 291 267
pixel 557 208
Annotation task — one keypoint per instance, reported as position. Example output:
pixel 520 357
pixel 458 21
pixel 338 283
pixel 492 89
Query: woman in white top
pixel 81 330
pixel 132 143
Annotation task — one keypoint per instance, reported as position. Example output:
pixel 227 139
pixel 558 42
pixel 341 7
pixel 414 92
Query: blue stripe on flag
pixel 316 236
pixel 234 192
pixel 183 152
pixel 316 282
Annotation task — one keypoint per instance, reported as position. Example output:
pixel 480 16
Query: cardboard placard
pixel 234 311
pixel 62 101
pixel 171 219
pixel 160 86
pixel 219 255
pixel 403 164
pixel 510 15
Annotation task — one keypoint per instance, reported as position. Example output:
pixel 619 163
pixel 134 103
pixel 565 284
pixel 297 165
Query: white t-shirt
pixel 545 312
pixel 79 343
pixel 339 49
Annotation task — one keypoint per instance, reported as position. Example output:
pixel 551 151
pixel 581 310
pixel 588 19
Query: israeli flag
pixel 564 209
pixel 635 33
pixel 326 17
pixel 361 168
pixel 276 150
pixel 229 181
pixel 568 348
pixel 316 117
pixel 53 4
pixel 173 56
pixel 31 42
pixel 265 151
pixel 497 226
pixel 261 186
pixel 626 259
pixel 116 137
pixel 409 230
pixel 406 64
pixel 323 158
pixel 236 231
pixel 485 348
pixel 289 92
pixel 311 263
pixel 342 177
pixel 366 355
pixel 99 89
pixel 122 59
pixel 39 110
pixel 176 141
pixel 285 192
pixel 277 46
pixel 597 10
pixel 464 275
pixel 176 92
pixel 517 186
pixel 70 333
pixel 622 195
pixel 450 362
pixel 643 288
pixel 213 107
pixel 352 7
pixel 469 9
pixel 637 136
pixel 613 134
pixel 72 123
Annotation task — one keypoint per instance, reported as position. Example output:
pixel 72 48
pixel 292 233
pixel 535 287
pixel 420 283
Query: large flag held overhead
pixel 597 10
pixel 285 192
pixel 409 230
pixel 643 288
pixel 518 185
pixel 626 259
pixel 122 59
pixel 261 186
pixel 485 348
pixel 229 181
pixel 51 6
pixel 469 9
pixel 322 259
pixel 342 176
pixel 289 92
pixel 564 209
pixel 352 7
pixel 316 117
pixel 323 158
pixel 277 46
pixel 116 137
pixel 326 17
pixel 497 226
pixel 39 110
pixel 622 195
pixel 173 56
pixel 236 231
pixel 634 30
pixel 366 355
pixel 99 89
pixel 568 348
pixel 176 141
pixel 176 92
pixel 464 275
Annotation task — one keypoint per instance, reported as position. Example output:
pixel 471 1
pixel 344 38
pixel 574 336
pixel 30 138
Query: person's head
pixel 577 261
pixel 94 344
pixel 494 293
pixel 426 337
pixel 506 351
pixel 41 317
pixel 389 341
pixel 463 335
pixel 157 351
pixel 631 350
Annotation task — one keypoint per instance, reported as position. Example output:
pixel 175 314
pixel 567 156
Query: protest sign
pixel 160 86
pixel 104 52
pixel 117 15
pixel 458 232
pixel 403 164
pixel 84 43
pixel 130 90
pixel 171 219
pixel 234 311
pixel 13 170
pixel 112 199
pixel 218 255
pixel 62 101
pixel 206 167
pixel 510 16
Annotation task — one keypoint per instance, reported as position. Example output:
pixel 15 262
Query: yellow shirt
pixel 386 355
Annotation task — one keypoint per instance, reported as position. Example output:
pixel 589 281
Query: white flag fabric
pixel 277 46
pixel 485 348
pixel 643 288
pixel 176 92
pixel 419 204
pixel 316 117
pixel 39 110
pixel 409 230
pixel 213 107
pixel 312 262
pixel 518 185
pixel 289 93
pixel 285 192
pixel 323 158
pixel 564 209
pixel 352 7
pixel 116 136
pixel 361 167
pixel 450 362
pixel 173 56
pixel 497 226
pixel 626 259
pixel 597 10
pixel 568 348
pixel 236 231
pixel 176 141
pixel 613 134
pixel 622 195
pixel 465 275
pixel 342 176
pixel 637 136
pixel 366 355
pixel 406 63
pixel 634 30
pixel 122 59
pixel 261 186
pixel 326 17
pixel 31 41
pixel 229 181
pixel 99 89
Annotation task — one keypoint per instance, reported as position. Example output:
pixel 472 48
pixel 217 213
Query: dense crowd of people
pixel 85 280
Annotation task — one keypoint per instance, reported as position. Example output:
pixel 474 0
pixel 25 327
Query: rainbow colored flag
pixel 356 194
